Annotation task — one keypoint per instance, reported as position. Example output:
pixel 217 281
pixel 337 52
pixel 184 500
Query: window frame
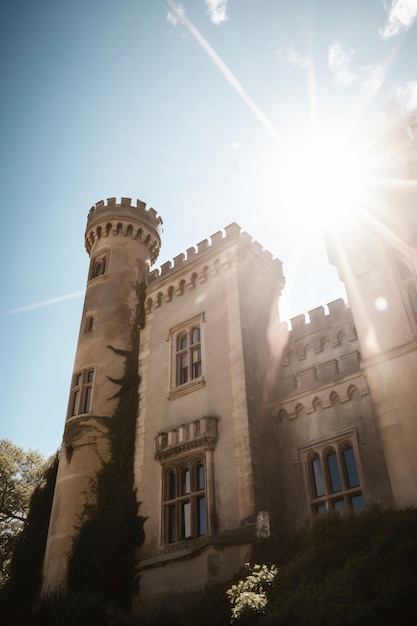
pixel 99 265
pixel 178 523
pixel 187 357
pixel 328 474
pixel 81 395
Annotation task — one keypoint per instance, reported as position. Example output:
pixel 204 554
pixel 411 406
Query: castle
pixel 243 428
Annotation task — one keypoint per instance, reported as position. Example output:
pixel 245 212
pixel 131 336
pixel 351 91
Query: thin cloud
pixel 339 61
pixel 407 95
pixel 227 73
pixel 216 10
pixel 177 15
pixel 372 77
pixel 297 59
pixel 43 303
pixel 401 16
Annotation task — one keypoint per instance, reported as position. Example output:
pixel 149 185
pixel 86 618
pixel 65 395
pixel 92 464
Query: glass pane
pixel 183 369
pixel 171 533
pixel 195 335
pixel 87 399
pixel 200 477
pixel 185 483
pixel 76 403
pixel 357 503
pixel 90 376
pixel 170 486
pixel 339 505
pixel 78 379
pixel 318 477
pixel 201 516
pixel 351 470
pixel 196 362
pixel 332 464
pixel 321 508
pixel 186 512
pixel 182 342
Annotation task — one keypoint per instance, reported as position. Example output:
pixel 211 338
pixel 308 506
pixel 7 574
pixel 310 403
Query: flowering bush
pixel 249 594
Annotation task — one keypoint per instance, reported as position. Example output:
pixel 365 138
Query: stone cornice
pixel 201 433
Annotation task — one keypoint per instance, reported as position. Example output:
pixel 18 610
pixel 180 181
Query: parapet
pixel 111 208
pixel 317 319
pixel 112 217
pixel 232 232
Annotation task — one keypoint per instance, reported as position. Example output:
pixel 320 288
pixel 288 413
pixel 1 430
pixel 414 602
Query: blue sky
pixel 188 107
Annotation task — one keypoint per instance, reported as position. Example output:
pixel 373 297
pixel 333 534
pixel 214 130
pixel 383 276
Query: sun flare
pixel 322 180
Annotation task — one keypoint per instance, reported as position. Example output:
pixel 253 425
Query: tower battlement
pixel 112 217
pixel 338 311
pixel 231 232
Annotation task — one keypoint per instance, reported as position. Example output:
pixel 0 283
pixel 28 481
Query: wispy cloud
pixel 216 10
pixel 177 15
pixel 339 61
pixel 407 95
pixel 295 58
pixel 401 16
pixel 372 76
pixel 227 73
pixel 43 303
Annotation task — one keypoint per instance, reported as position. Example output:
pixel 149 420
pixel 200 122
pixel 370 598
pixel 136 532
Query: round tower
pixel 122 241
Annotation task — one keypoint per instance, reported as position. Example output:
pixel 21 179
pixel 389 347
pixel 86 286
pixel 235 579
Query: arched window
pixel 81 392
pixel 334 479
pixel 188 363
pixel 98 265
pixel 184 506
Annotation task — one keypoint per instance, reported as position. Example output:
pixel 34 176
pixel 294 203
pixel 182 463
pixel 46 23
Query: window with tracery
pixel 333 477
pixel 184 500
pixel 187 356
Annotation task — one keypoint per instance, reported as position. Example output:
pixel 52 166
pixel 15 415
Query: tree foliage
pixel 22 587
pixel 20 472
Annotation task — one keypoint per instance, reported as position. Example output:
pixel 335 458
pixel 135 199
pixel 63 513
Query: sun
pixel 322 179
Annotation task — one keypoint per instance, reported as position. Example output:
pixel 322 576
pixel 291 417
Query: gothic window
pixel 186 357
pixel 98 265
pixel 333 477
pixel 81 392
pixel 184 501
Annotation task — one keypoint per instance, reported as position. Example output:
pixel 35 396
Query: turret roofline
pixel 233 232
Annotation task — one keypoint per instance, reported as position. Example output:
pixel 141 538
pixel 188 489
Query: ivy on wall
pixel 103 555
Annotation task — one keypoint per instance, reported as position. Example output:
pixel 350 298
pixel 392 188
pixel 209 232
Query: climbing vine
pixel 103 555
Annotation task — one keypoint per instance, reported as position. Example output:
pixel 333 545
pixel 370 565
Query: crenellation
pixel 317 316
pixel 202 246
pixel 298 322
pixel 216 238
pixel 165 267
pixel 179 260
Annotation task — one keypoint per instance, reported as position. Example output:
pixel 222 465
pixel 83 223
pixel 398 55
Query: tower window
pixel 333 476
pixel 98 265
pixel 184 501
pixel 81 392
pixel 89 323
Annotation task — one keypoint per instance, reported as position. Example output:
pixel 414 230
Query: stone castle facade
pixel 244 428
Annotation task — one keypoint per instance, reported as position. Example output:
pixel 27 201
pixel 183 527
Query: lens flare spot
pixel 381 303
